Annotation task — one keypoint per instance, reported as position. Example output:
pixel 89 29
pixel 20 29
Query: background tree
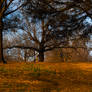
pixel 63 20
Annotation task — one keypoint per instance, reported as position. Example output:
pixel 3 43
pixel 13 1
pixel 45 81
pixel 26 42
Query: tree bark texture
pixel 41 56
pixel 1 42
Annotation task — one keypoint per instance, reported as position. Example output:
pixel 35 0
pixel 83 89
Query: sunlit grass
pixel 46 77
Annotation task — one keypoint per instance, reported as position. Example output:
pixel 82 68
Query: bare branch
pixel 13 10
pixel 22 47
pixel 65 47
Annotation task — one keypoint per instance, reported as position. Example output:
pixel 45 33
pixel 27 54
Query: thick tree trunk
pixel 1 43
pixel 41 56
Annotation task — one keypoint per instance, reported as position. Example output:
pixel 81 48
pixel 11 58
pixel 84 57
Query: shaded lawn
pixel 46 77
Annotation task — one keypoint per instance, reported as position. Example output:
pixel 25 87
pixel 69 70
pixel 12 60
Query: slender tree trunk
pixel 25 55
pixel 41 56
pixel 34 56
pixel 1 42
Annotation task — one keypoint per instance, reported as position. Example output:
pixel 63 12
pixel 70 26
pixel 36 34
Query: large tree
pixel 63 20
pixel 49 34
pixel 59 22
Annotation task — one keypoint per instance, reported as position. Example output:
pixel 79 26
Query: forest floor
pixel 46 77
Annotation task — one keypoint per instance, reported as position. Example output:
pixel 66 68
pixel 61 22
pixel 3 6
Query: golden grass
pixel 46 77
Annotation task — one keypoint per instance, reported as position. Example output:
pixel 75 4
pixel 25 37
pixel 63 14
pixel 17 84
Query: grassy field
pixel 46 77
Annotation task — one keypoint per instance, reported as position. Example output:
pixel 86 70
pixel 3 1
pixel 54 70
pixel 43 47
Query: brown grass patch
pixel 46 77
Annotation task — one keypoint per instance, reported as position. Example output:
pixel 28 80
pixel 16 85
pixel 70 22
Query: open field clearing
pixel 46 77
